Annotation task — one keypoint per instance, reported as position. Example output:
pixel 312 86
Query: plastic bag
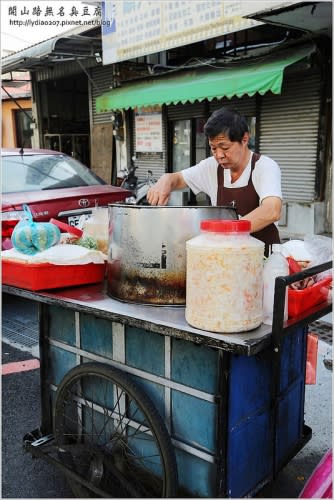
pixel 97 227
pixel 297 250
pixel 314 250
pixel 320 249
pixel 30 237
pixel 60 255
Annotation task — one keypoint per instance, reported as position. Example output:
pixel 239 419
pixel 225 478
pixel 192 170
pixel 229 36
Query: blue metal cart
pixel 137 403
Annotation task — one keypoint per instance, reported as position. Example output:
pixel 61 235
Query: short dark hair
pixel 226 121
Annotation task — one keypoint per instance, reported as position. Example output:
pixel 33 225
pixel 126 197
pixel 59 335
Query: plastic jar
pixel 276 265
pixel 224 281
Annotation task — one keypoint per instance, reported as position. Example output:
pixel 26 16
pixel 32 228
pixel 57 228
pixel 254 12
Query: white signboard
pixel 133 28
pixel 148 125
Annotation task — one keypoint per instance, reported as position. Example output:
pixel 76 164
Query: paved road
pixel 24 477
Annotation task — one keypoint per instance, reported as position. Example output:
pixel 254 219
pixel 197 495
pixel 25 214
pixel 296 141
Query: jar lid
pixel 226 226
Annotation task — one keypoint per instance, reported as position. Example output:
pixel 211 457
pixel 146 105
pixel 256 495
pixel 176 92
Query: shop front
pixel 283 97
pixel 151 110
pixel 59 75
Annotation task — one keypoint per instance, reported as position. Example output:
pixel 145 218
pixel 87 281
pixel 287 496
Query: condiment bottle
pixel 224 279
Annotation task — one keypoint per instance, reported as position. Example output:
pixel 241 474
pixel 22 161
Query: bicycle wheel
pixel 109 432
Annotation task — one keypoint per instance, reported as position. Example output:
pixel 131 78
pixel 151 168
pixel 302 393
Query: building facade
pixel 151 109
pixel 16 116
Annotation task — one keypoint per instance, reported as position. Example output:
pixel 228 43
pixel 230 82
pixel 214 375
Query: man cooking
pixel 232 175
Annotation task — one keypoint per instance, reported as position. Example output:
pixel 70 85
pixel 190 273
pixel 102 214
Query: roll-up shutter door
pixel 63 70
pixel 245 105
pixel 185 111
pixel 102 78
pixel 150 161
pixel 159 165
pixel 289 125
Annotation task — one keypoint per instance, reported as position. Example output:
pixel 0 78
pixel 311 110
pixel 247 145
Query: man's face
pixel 227 153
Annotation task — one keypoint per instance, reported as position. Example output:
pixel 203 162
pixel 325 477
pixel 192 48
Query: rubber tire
pixel 132 389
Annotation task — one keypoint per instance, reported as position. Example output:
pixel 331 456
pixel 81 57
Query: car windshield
pixel 34 172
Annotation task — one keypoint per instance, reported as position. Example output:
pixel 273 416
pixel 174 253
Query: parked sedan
pixel 53 185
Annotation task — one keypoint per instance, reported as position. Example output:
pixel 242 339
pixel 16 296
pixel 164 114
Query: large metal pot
pixel 147 250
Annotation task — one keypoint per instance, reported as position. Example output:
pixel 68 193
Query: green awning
pixel 246 78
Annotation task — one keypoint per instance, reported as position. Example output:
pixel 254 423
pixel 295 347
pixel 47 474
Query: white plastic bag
pixel 320 249
pixel 297 250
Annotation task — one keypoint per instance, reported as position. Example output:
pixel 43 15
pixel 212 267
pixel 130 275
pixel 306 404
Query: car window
pixel 35 172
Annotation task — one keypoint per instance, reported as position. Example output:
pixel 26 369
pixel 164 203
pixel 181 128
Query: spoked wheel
pixel 109 432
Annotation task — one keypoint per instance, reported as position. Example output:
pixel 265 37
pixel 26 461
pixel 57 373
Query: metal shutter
pixel 149 161
pixel 289 129
pixel 245 105
pixel 102 78
pixel 185 111
pixel 63 70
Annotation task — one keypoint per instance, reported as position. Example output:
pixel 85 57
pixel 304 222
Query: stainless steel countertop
pixel 170 320
pixel 166 320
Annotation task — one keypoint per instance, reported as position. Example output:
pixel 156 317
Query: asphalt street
pixel 22 476
pixel 25 477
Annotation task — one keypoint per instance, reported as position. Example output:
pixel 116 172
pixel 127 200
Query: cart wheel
pixel 109 432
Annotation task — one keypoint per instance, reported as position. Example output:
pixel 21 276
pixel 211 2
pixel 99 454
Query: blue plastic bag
pixel 30 237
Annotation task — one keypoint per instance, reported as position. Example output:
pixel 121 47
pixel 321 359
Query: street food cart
pixel 136 402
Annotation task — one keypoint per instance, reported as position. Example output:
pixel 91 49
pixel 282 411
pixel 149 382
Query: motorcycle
pixel 139 189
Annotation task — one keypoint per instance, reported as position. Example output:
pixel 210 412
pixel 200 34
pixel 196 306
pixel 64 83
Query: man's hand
pixel 159 193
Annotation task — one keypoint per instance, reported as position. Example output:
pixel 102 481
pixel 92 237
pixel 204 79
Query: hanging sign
pixel 148 124
pixel 134 28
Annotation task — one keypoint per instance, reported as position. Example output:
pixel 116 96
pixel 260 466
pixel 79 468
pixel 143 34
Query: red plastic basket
pixel 301 300
pixel 46 276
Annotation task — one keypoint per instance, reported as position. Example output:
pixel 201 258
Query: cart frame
pixel 266 346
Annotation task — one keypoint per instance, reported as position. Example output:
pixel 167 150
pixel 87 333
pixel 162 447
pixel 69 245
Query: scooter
pixel 139 189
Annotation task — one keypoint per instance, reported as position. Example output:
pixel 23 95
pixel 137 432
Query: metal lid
pixel 226 226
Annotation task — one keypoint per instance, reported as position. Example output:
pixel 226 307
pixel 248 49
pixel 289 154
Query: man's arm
pixel 159 193
pixel 269 211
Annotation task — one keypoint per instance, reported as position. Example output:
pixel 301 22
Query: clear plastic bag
pixel 315 249
pixel 97 228
pixel 31 237
pixel 321 251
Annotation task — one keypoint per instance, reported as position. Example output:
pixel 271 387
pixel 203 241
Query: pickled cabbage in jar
pixel 224 281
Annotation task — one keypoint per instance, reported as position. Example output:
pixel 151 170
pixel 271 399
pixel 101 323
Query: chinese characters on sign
pixel 42 14
pixel 148 123
pixel 145 27
pixel 38 10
